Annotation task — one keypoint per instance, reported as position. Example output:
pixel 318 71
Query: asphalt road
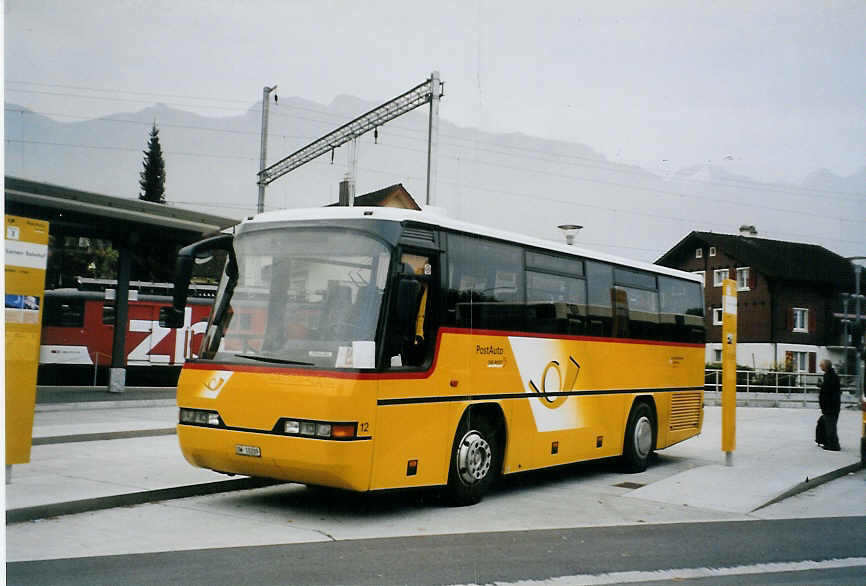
pixel 507 557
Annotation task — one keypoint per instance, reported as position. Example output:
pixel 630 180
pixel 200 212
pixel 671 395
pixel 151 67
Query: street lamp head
pixel 570 231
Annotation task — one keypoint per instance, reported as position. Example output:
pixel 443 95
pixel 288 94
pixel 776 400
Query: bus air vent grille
pixel 418 234
pixel 685 411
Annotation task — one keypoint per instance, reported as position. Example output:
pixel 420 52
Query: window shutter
pixel 812 360
pixel 789 320
pixel 732 273
pixel 753 279
pixel 813 326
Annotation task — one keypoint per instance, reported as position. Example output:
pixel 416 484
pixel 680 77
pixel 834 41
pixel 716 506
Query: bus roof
pixel 437 217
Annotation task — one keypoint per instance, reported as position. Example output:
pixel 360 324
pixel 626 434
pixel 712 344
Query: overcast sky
pixel 773 90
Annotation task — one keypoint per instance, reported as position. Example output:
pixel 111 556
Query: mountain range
pixel 511 181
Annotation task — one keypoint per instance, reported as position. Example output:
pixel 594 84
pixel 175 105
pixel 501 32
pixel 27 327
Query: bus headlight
pixel 199 417
pixel 317 429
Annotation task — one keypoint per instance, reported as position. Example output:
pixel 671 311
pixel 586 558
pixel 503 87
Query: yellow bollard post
pixel 26 257
pixel 729 369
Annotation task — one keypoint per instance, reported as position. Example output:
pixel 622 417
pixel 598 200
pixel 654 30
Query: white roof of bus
pixel 436 217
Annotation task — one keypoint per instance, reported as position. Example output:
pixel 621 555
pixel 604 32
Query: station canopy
pixel 83 213
pixel 151 231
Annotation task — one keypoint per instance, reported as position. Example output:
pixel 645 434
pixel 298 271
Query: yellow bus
pixel 377 348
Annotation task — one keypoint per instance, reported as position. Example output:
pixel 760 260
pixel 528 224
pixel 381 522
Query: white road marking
pixel 691 573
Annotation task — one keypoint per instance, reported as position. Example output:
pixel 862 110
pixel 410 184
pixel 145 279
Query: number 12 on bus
pixel 376 348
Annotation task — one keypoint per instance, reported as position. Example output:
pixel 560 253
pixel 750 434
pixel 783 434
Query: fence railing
pixel 790 385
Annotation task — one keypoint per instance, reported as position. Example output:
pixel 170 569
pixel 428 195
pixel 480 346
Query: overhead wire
pixel 597 162
pixel 568 159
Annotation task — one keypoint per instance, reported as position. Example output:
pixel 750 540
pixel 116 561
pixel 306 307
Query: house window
pixel 717 316
pixel 801 361
pixel 712 251
pixel 717 354
pixel 743 279
pixel 801 320
pixel 699 253
pixel 701 275
pixel 719 275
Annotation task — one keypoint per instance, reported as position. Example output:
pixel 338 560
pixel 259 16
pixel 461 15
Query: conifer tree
pixel 152 180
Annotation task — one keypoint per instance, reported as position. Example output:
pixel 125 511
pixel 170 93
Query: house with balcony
pixel 788 297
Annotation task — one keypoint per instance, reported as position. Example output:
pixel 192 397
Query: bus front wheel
pixel 639 438
pixel 475 461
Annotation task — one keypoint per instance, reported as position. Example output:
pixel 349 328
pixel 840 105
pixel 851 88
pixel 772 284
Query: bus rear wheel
pixel 475 461
pixel 639 438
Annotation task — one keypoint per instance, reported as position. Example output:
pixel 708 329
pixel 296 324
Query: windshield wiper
pixel 274 360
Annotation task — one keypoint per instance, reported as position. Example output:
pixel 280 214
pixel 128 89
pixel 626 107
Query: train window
pixel 485 284
pixel 63 313
pixel 108 313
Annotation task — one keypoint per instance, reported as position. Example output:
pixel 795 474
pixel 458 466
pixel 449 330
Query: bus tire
pixel 475 461
pixel 639 438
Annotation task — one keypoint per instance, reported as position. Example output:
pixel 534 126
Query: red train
pixel 78 330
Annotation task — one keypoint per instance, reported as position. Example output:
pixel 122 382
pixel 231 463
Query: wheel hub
pixel 643 437
pixel 473 458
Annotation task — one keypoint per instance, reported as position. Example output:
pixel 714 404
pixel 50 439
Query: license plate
pixel 254 451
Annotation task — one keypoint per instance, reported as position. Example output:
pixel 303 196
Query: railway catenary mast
pixel 430 91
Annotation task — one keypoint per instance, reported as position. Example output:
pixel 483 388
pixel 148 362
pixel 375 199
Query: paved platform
pixel 126 453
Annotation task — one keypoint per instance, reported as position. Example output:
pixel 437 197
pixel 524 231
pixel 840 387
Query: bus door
pixel 412 440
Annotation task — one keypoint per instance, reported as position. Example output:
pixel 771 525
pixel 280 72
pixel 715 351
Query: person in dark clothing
pixel 830 401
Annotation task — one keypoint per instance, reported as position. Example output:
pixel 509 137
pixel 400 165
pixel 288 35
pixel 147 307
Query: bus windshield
pixel 304 296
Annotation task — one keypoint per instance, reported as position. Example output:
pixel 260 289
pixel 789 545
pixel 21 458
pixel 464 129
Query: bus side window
pixel 682 310
pixel 599 277
pixel 637 295
pixel 555 304
pixel 486 284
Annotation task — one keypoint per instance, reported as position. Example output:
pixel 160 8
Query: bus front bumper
pixel 338 464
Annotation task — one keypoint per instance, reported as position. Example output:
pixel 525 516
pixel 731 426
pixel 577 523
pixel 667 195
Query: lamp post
pixel 263 152
pixel 858 350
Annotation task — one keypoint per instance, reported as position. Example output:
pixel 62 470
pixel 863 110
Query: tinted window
pixel 636 313
pixel 555 264
pixel 682 310
pixel 550 288
pixel 599 284
pixel 555 303
pixel 632 278
pixel 485 284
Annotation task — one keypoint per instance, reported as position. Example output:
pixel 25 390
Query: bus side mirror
pixel 169 317
pixel 408 294
pixel 186 258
